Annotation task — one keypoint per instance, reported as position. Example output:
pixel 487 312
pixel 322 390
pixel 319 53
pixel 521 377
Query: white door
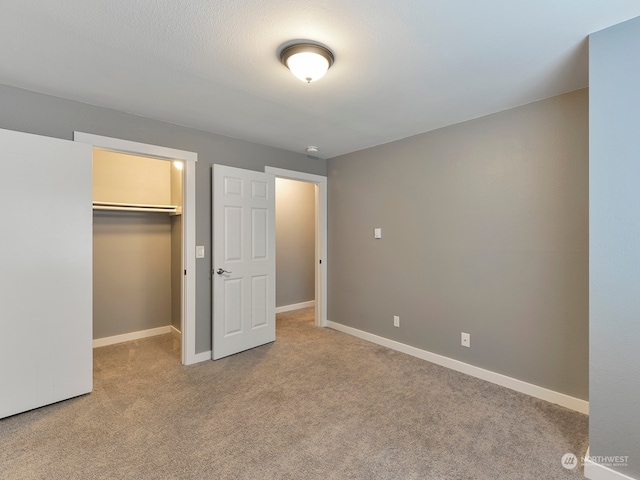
pixel 45 271
pixel 243 260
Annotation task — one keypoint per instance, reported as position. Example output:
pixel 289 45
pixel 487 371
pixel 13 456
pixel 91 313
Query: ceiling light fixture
pixel 307 61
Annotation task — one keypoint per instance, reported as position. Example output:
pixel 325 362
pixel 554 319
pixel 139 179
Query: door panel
pixel 259 307
pixel 232 306
pixel 233 234
pixel 45 278
pixel 259 229
pixel 244 247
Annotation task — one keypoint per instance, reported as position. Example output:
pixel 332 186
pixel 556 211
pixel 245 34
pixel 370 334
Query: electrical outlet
pixel 396 321
pixel 465 340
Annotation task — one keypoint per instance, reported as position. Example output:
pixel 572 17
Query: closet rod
pixel 136 207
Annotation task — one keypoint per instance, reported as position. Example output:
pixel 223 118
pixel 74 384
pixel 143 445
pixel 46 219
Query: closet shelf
pixel 137 207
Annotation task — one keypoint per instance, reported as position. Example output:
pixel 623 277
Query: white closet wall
pixel 123 178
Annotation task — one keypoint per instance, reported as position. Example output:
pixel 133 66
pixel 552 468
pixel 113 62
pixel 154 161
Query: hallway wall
pixel 295 242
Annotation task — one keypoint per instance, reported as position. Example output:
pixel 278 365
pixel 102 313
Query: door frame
pixel 321 260
pixel 188 321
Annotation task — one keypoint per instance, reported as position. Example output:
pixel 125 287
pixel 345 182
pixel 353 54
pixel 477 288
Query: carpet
pixel 315 404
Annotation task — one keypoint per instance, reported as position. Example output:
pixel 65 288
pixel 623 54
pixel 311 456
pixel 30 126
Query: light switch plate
pixel 377 233
pixel 199 251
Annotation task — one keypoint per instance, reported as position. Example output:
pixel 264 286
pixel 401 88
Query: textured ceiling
pixel 402 67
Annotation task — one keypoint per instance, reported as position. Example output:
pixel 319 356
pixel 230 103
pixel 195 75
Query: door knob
pixel 220 271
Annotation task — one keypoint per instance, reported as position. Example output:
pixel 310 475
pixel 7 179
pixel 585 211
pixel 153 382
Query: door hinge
pixel 185 272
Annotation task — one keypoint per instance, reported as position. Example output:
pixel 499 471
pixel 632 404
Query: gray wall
pixel 295 242
pixel 131 272
pixel 615 243
pixel 55 117
pixel 484 231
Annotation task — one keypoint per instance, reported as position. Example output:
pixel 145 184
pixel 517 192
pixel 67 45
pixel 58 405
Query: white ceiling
pixel 402 67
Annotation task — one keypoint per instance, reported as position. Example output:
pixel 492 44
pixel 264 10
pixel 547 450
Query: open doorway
pixel 319 184
pixel 295 244
pixel 188 159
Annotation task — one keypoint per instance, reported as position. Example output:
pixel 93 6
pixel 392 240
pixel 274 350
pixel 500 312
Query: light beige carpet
pixel 316 404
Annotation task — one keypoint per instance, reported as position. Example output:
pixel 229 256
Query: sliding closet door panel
pixel 45 274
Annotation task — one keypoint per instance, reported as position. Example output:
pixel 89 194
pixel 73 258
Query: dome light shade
pixel 307 61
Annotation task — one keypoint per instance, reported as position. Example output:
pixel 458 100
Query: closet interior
pixel 137 247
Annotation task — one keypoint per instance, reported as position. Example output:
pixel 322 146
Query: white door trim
pixel 321 234
pixel 189 355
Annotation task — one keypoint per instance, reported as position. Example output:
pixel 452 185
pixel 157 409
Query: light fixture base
pixel 307 61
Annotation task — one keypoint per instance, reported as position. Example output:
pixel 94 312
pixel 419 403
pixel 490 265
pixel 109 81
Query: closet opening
pixel 138 247
pixel 189 348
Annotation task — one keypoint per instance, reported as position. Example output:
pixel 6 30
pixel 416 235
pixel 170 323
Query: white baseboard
pixel 127 337
pixel 200 357
pixel 176 333
pixel 595 471
pixel 567 401
pixel 295 306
